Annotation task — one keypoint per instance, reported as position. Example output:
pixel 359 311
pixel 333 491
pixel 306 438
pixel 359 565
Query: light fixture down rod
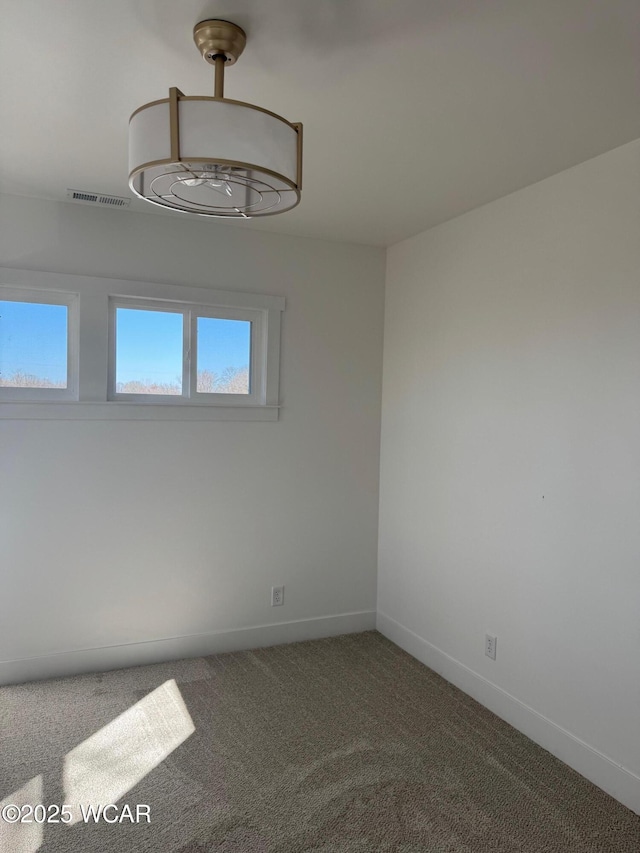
pixel 220 60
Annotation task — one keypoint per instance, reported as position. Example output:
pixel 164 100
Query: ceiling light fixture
pixel 210 155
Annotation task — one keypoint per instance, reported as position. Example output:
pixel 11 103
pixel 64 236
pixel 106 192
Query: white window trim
pixel 92 357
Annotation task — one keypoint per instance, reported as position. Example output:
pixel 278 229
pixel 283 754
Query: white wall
pixel 126 532
pixel 510 474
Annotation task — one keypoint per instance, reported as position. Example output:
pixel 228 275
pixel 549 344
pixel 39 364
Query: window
pixel 38 345
pixel 223 356
pixel 130 350
pixel 183 353
pixel 149 352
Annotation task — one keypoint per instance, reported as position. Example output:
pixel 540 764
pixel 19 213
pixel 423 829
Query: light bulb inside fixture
pixel 219 186
pixel 194 182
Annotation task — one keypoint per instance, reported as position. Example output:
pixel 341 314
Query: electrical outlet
pixel 490 643
pixel 277 596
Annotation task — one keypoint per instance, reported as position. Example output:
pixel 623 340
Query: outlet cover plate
pixel 277 596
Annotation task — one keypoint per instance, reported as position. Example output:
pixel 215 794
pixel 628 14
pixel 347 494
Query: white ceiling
pixel 414 111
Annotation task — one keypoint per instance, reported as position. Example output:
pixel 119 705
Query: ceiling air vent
pixel 84 197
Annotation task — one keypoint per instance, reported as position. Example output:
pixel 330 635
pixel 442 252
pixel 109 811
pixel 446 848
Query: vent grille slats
pixel 86 197
pixel 117 202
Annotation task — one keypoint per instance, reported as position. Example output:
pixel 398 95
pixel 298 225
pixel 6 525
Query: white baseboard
pixel 78 661
pixel 616 780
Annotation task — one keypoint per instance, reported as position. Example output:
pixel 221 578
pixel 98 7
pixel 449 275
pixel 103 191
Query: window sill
pixel 117 411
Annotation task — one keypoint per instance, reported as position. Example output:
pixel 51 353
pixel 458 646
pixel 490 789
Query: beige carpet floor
pixel 332 746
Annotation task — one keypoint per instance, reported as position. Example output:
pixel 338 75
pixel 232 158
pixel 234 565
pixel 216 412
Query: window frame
pixel 191 313
pixel 95 362
pixel 40 296
pixel 257 391
pixel 145 305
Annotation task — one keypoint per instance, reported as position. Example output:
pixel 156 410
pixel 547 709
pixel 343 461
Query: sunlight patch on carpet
pixel 21 837
pixel 107 765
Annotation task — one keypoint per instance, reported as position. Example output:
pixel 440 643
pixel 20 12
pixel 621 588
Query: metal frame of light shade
pixel 265 191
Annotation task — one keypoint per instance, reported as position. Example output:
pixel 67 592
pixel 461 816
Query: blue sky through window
pixel 223 344
pixel 149 346
pixel 33 341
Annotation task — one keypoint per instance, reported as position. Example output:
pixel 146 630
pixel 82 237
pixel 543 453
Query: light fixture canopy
pixel 213 156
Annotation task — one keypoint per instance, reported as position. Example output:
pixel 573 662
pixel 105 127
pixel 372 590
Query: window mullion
pixel 188 355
